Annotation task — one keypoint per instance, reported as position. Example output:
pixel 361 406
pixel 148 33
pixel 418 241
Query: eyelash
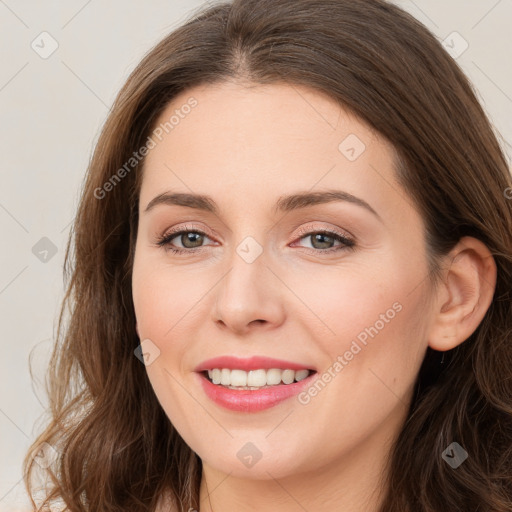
pixel 164 241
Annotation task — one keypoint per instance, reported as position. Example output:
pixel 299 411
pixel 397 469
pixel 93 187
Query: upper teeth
pixel 255 378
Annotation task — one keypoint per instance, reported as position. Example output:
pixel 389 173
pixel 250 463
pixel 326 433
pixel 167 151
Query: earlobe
pixel 464 295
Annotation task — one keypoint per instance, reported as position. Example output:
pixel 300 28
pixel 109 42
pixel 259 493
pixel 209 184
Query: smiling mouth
pixel 254 379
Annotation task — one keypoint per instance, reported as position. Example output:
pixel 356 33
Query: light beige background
pixel 51 112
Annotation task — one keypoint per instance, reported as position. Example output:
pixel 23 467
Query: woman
pixel 291 277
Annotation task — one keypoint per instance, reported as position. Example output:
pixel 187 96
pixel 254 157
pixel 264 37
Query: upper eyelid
pixel 339 231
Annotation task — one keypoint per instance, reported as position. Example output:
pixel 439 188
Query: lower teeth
pixel 246 387
pixel 252 388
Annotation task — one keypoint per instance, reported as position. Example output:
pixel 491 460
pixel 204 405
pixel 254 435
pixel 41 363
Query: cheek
pixel 164 300
pixel 345 301
pixel 374 314
pixel 372 364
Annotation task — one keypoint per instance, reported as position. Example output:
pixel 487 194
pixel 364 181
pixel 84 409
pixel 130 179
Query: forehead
pixel 263 140
pixel 257 114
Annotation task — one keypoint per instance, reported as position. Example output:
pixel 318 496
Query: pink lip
pixel 252 363
pixel 245 400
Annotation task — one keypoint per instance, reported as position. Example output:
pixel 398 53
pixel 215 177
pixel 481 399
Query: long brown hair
pixel 116 449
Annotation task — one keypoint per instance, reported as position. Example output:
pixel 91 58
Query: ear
pixel 464 295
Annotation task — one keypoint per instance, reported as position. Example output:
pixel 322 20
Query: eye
pixel 322 240
pixel 189 238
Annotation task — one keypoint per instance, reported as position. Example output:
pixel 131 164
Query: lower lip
pixel 246 400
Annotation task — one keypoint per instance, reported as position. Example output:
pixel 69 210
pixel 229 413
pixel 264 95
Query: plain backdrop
pixel 62 65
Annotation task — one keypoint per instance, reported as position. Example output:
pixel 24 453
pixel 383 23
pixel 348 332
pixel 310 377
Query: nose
pixel 249 296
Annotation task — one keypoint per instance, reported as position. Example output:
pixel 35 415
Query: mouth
pixel 254 384
pixel 254 390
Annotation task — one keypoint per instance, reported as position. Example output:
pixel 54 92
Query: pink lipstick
pixel 252 384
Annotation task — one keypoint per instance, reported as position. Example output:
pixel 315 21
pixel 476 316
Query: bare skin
pixel 246 147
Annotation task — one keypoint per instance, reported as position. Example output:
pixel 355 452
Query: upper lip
pixel 251 363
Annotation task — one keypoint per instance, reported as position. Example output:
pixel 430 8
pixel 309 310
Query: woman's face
pixel 257 278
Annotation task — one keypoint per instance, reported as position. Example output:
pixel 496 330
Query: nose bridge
pixel 248 265
pixel 249 291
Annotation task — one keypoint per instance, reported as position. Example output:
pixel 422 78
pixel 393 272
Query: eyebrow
pixel 288 203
